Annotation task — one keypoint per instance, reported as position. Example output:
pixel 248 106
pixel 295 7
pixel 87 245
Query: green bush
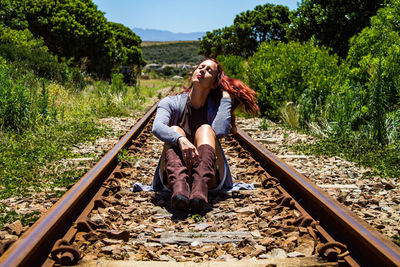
pixel 342 110
pixel 22 103
pixel 30 54
pixel 234 66
pixel 362 115
pixel 293 72
pixel 168 71
pixel 118 86
pixel 14 101
pixel 374 57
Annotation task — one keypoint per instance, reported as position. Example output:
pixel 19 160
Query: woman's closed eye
pixel 204 67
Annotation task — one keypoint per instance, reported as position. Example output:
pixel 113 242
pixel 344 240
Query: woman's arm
pixel 161 127
pixel 222 121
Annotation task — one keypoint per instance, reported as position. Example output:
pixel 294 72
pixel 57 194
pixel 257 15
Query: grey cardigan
pixel 168 113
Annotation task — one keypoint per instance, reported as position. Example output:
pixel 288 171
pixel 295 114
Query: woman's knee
pixel 205 129
pixel 178 130
pixel 205 135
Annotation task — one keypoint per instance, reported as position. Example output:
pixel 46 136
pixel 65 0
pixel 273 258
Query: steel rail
pixel 366 245
pixel 32 248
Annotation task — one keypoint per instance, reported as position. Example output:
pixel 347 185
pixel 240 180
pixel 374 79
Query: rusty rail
pixel 365 245
pixel 32 248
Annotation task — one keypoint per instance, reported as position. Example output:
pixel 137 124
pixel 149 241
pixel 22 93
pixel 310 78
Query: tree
pixel 220 41
pixel 250 28
pixel 76 30
pixel 11 15
pixel 265 23
pixel 129 44
pixel 331 22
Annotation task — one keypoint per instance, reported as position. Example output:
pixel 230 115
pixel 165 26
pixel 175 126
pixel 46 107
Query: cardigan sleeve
pixel 161 125
pixel 222 121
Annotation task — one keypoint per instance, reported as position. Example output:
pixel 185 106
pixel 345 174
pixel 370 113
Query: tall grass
pixel 41 120
pixel 24 101
pixel 289 115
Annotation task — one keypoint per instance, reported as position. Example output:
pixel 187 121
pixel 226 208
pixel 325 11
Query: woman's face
pixel 205 75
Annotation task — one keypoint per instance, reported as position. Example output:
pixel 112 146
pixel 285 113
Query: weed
pixel 125 156
pixel 285 135
pixel 264 124
pixel 289 115
pixel 383 159
pixel 117 84
pixel 23 156
pixel 195 235
pixel 396 239
pixel 12 216
pixel 197 218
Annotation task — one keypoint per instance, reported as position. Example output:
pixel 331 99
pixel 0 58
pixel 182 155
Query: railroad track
pixel 285 220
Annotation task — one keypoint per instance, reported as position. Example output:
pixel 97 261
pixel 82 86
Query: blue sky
pixel 180 15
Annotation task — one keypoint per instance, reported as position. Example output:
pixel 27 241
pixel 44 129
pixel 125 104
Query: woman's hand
pixel 225 93
pixel 189 151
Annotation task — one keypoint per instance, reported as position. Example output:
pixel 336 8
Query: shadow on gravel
pixel 163 199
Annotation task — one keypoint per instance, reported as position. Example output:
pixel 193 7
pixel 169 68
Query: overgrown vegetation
pixel 292 72
pixel 51 56
pixel 40 121
pixel 327 23
pixel 346 92
pixel 323 69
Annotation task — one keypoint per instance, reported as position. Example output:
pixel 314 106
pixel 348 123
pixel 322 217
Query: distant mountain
pixel 158 35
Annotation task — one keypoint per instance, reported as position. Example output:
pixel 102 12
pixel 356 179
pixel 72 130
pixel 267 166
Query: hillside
pixel 159 35
pixel 171 52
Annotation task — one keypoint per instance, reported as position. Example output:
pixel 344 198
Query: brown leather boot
pixel 202 173
pixel 177 179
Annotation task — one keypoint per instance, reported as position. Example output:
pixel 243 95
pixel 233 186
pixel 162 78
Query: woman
pixel 190 124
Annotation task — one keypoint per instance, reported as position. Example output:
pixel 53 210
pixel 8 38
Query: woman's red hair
pixel 241 94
